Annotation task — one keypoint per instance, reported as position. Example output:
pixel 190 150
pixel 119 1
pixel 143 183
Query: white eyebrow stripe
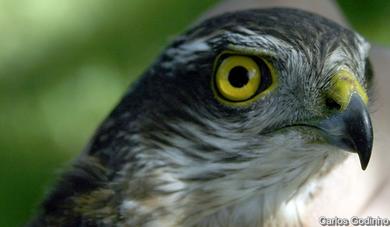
pixel 195 46
pixel 246 31
pixel 259 40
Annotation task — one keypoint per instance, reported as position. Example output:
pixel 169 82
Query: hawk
pixel 232 125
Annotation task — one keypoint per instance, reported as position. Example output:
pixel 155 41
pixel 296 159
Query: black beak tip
pixel 365 155
pixel 364 159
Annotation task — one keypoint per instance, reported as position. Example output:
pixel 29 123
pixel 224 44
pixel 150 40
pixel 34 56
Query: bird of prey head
pixel 231 126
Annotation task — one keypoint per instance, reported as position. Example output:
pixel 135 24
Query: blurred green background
pixel 65 64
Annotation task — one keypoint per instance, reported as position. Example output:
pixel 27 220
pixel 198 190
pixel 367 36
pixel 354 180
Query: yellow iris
pixel 238 78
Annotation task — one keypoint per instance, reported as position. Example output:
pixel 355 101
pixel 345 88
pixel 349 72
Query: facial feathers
pixel 173 154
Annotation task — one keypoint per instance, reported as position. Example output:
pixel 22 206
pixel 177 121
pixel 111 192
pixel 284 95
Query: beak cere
pixel 351 127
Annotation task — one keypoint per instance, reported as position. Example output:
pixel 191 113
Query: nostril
pixel 332 104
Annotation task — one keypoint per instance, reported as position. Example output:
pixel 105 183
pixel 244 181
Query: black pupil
pixel 238 76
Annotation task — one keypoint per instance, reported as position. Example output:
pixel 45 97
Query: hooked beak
pixel 350 127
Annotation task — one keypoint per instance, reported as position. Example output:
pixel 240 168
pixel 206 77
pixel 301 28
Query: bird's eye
pixel 240 78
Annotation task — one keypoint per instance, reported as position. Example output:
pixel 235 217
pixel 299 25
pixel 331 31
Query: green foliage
pixel 370 18
pixel 64 65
